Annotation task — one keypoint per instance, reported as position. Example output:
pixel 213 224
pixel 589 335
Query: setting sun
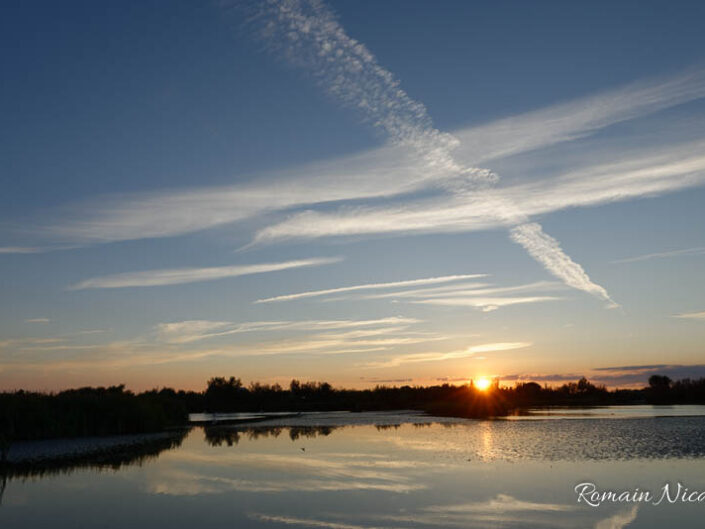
pixel 482 383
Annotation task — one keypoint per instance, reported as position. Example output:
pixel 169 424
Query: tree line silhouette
pixel 114 410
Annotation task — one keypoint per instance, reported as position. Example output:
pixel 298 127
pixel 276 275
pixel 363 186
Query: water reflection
pixel 486 446
pixel 619 520
pixel 121 456
pixel 501 511
pixel 285 463
pixel 324 473
pixel 229 435
pixel 113 459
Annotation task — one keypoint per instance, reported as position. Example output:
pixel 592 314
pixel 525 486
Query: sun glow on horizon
pixel 482 383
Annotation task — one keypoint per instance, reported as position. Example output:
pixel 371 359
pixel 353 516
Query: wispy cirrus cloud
pixel 37 320
pixel 370 286
pixel 19 249
pixel 421 292
pixel 459 293
pixel 640 175
pixel 636 174
pixel 700 250
pixel 616 376
pixel 485 299
pixel 28 342
pixel 486 304
pixel 576 119
pixel 195 330
pixel 386 172
pixel 469 289
pixel 139 353
pixel 173 342
pixel 378 173
pixel 448 355
pixel 310 36
pixel 638 375
pixel 691 316
pixel 175 276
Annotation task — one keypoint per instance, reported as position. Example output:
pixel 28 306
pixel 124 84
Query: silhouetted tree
pixel 659 382
pixel 224 395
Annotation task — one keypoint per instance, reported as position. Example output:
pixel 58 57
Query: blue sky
pixel 499 189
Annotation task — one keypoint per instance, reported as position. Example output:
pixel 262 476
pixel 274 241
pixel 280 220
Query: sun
pixel 483 383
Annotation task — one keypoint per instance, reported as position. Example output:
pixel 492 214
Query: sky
pixel 358 192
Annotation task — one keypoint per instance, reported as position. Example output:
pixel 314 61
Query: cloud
pixel 458 294
pixel 452 355
pixel 486 304
pixel 136 353
pixel 28 342
pixel 170 343
pixel 547 251
pixel 486 299
pixel 387 380
pixel 630 175
pixel 663 255
pixel 308 34
pixel 389 171
pixel 639 368
pixel 347 70
pixel 422 292
pixel 19 249
pixel 618 376
pixel 636 174
pixel 324 345
pixel 370 286
pixel 639 375
pixel 578 118
pixel 542 377
pixel 189 331
pixel 471 288
pixel 483 296
pixel 691 315
pixel 377 173
pixel 494 347
pixel 194 330
pixel 37 320
pixel 174 276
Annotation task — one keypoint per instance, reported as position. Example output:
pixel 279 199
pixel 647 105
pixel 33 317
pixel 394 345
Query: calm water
pixel 350 471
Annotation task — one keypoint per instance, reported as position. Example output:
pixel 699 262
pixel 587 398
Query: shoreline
pixel 48 451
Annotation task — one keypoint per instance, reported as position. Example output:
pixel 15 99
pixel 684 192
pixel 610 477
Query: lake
pixel 385 470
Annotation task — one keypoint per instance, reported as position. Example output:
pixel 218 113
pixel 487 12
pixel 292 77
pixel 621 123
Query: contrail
pixel 178 276
pixel 371 286
pixel 547 251
pixel 309 35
